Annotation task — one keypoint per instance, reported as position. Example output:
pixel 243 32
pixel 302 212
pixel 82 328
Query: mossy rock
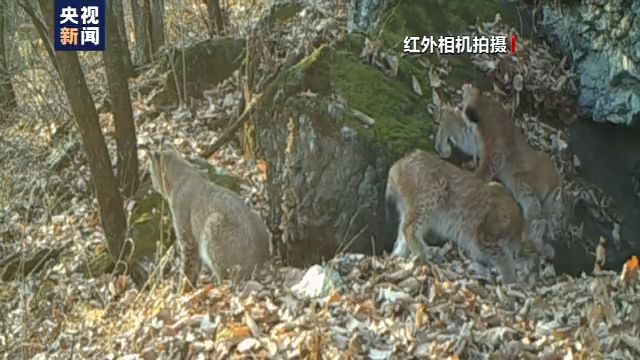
pixel 338 177
pixel 334 183
pixel 281 12
pixel 207 63
pixel 402 122
pixel 151 220
pixel 435 18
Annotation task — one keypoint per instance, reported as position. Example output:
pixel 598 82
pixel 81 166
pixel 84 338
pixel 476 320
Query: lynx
pixel 431 194
pixel 453 128
pixel 213 225
pixel 505 155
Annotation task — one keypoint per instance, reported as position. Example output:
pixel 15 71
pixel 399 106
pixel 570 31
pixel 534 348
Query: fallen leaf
pixel 630 270
pixel 434 79
pixel 247 345
pixel 367 308
pixel 420 314
pixel 334 297
pixel 365 119
pixel 416 85
pixel 234 332
pixel 394 65
pixel 262 167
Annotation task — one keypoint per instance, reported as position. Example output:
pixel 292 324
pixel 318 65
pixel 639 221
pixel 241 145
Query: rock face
pixel 335 124
pixel 610 159
pixel 603 39
pixel 362 15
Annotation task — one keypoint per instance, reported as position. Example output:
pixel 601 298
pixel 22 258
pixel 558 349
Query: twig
pixel 343 243
pixel 41 28
pixel 228 133
pixel 269 90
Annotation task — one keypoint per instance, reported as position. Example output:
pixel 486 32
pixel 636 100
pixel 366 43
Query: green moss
pixel 434 18
pixel 402 122
pixel 463 70
pixel 98 263
pixel 310 74
pixel 150 222
pixel 217 175
pixel 431 17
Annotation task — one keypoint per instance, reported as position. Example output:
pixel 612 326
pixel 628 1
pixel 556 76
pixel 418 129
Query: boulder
pixel 603 40
pixel 208 63
pixel 333 126
pixel 362 14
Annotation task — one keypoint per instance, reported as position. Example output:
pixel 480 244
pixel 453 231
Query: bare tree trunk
pixel 118 6
pixel 142 21
pixel 7 95
pixel 216 24
pixel 114 64
pixel 114 222
pixel 105 183
pixel 157 25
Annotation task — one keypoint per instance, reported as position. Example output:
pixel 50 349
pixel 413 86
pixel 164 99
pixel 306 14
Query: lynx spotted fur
pixel 431 194
pixel 213 225
pixel 505 155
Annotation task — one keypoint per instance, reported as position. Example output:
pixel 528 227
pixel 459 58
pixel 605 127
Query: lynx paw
pixel 400 249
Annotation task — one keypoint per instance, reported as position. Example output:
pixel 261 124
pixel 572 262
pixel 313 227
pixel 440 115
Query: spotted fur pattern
pixel 505 155
pixel 483 219
pixel 213 225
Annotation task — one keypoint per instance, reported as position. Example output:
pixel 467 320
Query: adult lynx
pixel 213 225
pixel 483 218
pixel 506 155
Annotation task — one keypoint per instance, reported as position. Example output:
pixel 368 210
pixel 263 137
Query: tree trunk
pixel 157 25
pixel 114 222
pixel 7 95
pixel 43 33
pixel 216 25
pixel 114 64
pixel 118 7
pixel 141 21
pixel 105 183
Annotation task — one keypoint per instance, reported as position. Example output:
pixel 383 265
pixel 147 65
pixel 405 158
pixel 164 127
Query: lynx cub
pixel 506 155
pixel 213 225
pixel 453 128
pixel 484 219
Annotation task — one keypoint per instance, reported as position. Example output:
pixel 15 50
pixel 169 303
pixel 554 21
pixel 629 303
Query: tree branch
pixel 268 93
pixel 41 28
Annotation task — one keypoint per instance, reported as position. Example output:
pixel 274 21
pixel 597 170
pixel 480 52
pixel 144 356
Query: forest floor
pixel 354 306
